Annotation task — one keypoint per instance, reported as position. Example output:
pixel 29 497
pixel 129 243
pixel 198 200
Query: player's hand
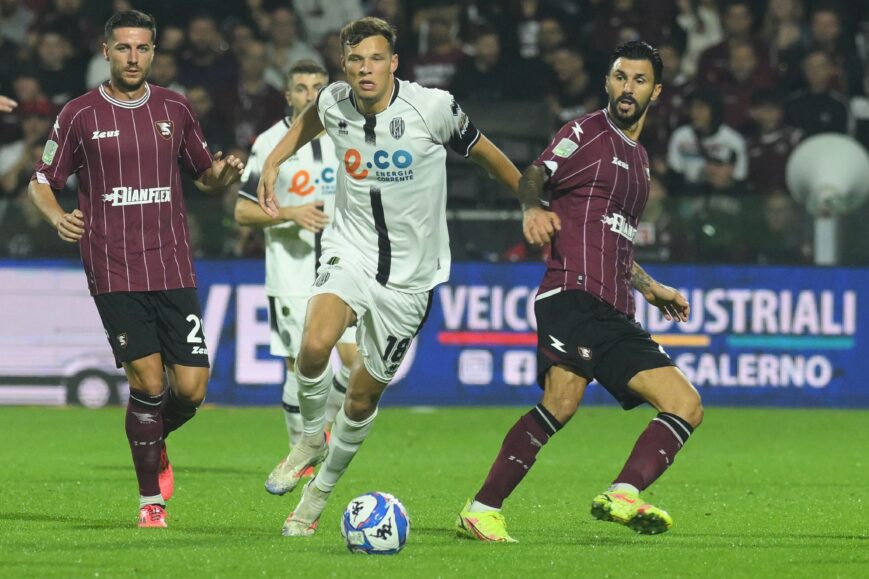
pixel 227 171
pixel 539 225
pixel 265 191
pixel 672 304
pixel 7 104
pixel 309 216
pixel 70 226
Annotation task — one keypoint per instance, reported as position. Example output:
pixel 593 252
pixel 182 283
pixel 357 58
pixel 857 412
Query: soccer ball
pixel 375 524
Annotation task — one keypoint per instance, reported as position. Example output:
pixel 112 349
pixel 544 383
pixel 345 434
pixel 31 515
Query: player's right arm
pixel 304 129
pixel 69 226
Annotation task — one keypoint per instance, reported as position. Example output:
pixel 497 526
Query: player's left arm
pixel 221 174
pixel 669 300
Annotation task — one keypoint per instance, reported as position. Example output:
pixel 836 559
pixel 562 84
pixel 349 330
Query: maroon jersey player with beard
pixel 125 141
pixel 595 177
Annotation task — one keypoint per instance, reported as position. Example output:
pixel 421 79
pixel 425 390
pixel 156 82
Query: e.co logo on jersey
pixel 383 160
pixel 300 182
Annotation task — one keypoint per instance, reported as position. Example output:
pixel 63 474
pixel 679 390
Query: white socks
pixel 290 402
pixel 337 393
pixel 478 507
pixel 623 488
pixel 312 401
pixel 347 437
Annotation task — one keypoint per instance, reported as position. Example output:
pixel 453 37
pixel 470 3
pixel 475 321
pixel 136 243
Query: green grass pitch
pixel 756 493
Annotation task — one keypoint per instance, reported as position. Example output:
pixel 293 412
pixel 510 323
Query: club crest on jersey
pixel 165 128
pixel 122 340
pixel 396 127
pixel 584 353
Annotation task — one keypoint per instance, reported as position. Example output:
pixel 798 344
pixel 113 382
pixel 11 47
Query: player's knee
pixel 689 407
pixel 562 405
pixel 313 356
pixel 360 407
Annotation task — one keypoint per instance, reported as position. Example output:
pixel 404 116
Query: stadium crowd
pixel 744 83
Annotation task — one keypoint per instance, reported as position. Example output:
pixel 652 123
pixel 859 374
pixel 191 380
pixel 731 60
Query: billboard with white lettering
pixel 787 336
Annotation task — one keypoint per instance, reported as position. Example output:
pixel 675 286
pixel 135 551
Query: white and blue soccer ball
pixel 375 524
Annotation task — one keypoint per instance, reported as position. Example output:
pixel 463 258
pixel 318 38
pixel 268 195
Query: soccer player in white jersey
pixel 306 187
pixel 387 246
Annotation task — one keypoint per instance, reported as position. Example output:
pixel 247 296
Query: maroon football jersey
pixel 598 186
pixel 127 155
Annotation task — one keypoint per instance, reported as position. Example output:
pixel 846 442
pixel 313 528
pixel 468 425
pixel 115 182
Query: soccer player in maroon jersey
pixel 595 177
pixel 125 141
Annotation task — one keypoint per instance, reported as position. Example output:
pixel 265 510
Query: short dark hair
pixel 358 30
pixel 305 66
pixel 130 19
pixel 639 50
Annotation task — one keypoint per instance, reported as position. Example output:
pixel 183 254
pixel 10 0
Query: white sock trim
pixel 155 500
pixel 478 507
pixel 624 488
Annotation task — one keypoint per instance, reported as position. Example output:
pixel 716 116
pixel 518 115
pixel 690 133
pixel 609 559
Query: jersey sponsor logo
pixel 565 148
pixel 619 224
pixel 49 151
pixel 301 184
pixel 619 163
pixel 165 128
pixel 121 196
pixel 396 127
pixel 105 134
pixel 388 166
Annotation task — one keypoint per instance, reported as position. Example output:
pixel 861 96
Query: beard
pixel 122 84
pixel 625 120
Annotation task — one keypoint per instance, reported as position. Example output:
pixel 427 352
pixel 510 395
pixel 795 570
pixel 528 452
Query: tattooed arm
pixel 538 224
pixel 672 304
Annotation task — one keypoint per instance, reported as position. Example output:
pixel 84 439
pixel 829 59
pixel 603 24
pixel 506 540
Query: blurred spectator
pixel 7 104
pixel 333 56
pixel 818 108
pixel 69 16
pixel 171 38
pixel 550 37
pixel 16 163
pixel 285 46
pixel 164 72
pixel 782 236
pixel 205 62
pixel 396 13
pixel 827 35
pixel 15 21
pixel 738 22
pixel 619 21
pixel 657 237
pixel 577 93
pixel 23 231
pixel 770 144
pixel 704 138
pixel 860 112
pixel 701 24
pixel 670 110
pixel 320 16
pixel 721 230
pixel 435 66
pixel 98 66
pixel 255 105
pixel 61 75
pixel 786 33
pixel 258 15
pixel 215 128
pixel 240 34
pixel 743 75
pixel 483 76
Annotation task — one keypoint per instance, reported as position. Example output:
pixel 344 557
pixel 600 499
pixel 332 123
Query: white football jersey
pixel 390 208
pixel 309 175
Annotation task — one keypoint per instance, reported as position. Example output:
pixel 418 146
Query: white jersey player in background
pixel 387 246
pixel 306 188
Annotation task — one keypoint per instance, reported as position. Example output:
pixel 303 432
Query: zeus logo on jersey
pixel 619 163
pixel 104 134
pixel 128 196
pixel 618 224
pixel 389 167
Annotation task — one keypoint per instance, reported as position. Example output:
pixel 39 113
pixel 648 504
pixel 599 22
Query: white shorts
pixel 387 320
pixel 286 320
